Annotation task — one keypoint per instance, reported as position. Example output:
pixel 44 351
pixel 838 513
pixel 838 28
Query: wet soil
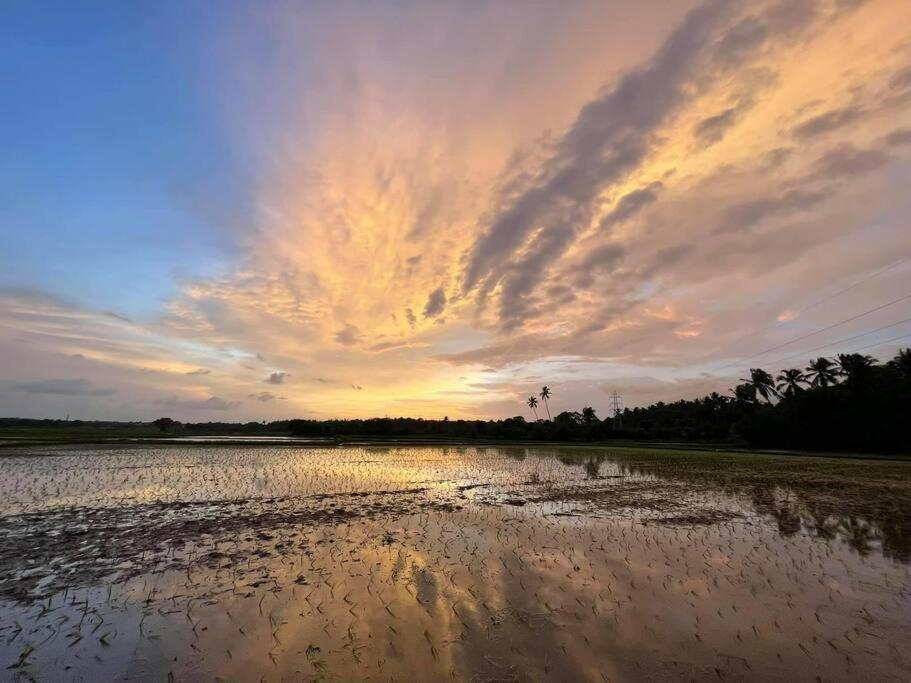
pixel 452 563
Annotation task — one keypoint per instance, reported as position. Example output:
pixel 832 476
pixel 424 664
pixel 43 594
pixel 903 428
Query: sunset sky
pixel 258 210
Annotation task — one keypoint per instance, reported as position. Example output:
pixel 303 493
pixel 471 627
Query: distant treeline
pixel 850 403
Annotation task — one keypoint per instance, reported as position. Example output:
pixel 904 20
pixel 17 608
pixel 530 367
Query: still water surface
pixel 460 563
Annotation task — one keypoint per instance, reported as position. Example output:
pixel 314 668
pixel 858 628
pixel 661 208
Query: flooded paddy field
pixel 451 563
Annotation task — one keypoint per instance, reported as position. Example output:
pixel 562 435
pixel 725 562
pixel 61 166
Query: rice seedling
pixel 418 562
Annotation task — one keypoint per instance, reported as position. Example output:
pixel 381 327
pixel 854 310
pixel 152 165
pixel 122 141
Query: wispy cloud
pixel 638 200
pixel 63 387
pixel 210 403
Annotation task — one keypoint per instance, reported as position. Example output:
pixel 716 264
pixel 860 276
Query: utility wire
pixel 840 341
pixel 875 273
pixel 819 331
pixel 888 341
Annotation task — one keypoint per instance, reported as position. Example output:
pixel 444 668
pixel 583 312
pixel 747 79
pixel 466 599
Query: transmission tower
pixel 616 409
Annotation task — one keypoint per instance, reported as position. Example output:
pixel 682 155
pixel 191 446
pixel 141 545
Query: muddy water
pixel 249 563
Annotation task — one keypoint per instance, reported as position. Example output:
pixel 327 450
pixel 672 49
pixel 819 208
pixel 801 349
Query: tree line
pixel 848 403
pixel 851 402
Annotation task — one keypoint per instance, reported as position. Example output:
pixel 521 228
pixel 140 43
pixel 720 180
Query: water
pixel 288 563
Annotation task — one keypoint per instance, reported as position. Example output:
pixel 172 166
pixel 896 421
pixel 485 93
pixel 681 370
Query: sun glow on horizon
pixel 448 210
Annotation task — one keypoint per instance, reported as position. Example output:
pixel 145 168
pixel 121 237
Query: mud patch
pixel 44 553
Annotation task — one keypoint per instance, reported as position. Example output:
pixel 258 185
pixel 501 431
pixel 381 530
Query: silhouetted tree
pixel 533 404
pixel 545 394
pixel 855 367
pixel 790 382
pixel 763 383
pixel 164 423
pixel 823 372
pixel 744 393
pixel 868 412
pixel 902 364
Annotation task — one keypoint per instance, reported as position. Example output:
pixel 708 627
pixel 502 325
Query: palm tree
pixel 588 415
pixel 533 404
pixel 744 393
pixel 902 362
pixel 545 394
pixel 763 382
pixel 822 372
pixel 855 366
pixel 715 401
pixel 790 381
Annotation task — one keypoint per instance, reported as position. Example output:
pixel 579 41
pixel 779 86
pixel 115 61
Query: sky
pixel 255 211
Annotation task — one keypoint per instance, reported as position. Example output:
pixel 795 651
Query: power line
pixel 868 346
pixel 888 341
pixel 840 341
pixel 819 331
pixel 874 274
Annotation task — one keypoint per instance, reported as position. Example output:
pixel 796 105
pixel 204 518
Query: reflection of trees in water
pixel 862 527
pixel 830 500
pixel 591 464
pixel 785 510
pixel 593 467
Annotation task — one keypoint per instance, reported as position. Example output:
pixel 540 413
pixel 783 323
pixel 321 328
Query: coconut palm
pixel 588 415
pixel 790 382
pixel 763 382
pixel 855 366
pixel 715 401
pixel 902 362
pixel 533 404
pixel 545 394
pixel 744 393
pixel 822 372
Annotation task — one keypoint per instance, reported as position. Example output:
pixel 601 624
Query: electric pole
pixel 616 409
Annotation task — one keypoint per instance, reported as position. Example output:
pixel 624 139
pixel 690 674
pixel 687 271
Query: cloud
pixel 901 79
pixel 117 316
pixel 631 204
pixel 607 194
pixel 609 140
pixel 846 160
pixel 436 302
pixel 382 347
pixel 265 396
pixel 828 122
pixel 63 387
pixel 898 137
pixel 713 128
pixel 216 403
pixel 609 136
pixel 211 403
pixel 741 41
pixel 348 335
pixel 744 215
pixel 277 377
pixel 599 259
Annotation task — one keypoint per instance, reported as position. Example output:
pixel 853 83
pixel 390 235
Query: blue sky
pixel 115 153
pixel 431 208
